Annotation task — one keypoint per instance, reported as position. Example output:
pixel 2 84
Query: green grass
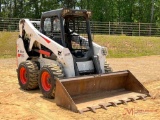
pixel 8 44
pixel 127 46
pixel 118 46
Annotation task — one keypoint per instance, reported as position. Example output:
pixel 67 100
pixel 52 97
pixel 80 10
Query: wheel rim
pixel 23 75
pixel 45 81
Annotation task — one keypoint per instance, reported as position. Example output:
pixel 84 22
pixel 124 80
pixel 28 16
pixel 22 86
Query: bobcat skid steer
pixel 62 60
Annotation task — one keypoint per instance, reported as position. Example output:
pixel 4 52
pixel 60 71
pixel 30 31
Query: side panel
pixel 21 52
pixel 66 60
pixel 98 51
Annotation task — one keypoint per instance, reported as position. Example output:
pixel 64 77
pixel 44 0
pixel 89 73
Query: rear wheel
pixel 107 68
pixel 28 75
pixel 47 81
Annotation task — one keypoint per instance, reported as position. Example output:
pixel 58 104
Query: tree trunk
pixel 15 8
pixel 119 11
pixel 139 10
pixel 152 14
pixel 36 9
pixel 88 4
pixel 10 8
pixel 81 4
pixel 152 11
pixel 131 11
pixel 0 6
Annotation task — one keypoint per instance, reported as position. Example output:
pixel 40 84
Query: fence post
pixel 150 29
pixel 121 24
pixel 109 28
pixel 139 29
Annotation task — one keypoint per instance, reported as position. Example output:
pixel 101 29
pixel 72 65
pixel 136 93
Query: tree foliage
pixel 102 10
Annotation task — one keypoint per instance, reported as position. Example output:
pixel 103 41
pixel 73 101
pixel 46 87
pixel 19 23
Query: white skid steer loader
pixel 63 61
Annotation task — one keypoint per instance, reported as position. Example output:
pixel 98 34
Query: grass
pixel 8 44
pixel 118 46
pixel 127 46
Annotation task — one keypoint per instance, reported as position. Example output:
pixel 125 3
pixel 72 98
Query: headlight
pixel 104 51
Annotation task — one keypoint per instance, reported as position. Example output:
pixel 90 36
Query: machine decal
pixel 59 52
pixel 20 53
pixel 48 41
pixel 44 52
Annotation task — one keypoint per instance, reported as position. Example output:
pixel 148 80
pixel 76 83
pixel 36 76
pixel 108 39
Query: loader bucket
pixel 89 93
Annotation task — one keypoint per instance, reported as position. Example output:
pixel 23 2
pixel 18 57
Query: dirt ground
pixel 27 105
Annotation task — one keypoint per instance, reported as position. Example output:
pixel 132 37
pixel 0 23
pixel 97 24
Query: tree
pixel 68 3
pixel 0 5
pixel 102 10
pixel 152 11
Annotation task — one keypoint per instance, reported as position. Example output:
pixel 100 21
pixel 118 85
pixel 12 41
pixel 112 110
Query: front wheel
pixel 28 75
pixel 47 81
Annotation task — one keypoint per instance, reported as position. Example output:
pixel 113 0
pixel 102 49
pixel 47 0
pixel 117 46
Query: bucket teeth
pixel 113 103
pixel 92 109
pixel 107 104
pixel 142 97
pixel 124 102
pixel 133 100
pixel 80 111
pixel 104 106
pixel 89 93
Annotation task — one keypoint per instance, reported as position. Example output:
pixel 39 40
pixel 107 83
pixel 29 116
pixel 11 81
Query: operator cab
pixel 76 37
pixel 69 28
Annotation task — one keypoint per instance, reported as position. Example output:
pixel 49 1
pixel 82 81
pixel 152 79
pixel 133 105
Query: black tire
pixel 28 75
pixel 107 68
pixel 47 82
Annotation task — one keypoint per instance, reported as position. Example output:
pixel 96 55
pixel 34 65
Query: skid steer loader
pixel 67 65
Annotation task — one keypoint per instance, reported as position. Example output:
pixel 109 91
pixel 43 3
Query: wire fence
pixel 108 28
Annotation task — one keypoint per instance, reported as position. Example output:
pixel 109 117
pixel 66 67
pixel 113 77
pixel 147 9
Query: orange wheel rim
pixel 45 80
pixel 23 75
